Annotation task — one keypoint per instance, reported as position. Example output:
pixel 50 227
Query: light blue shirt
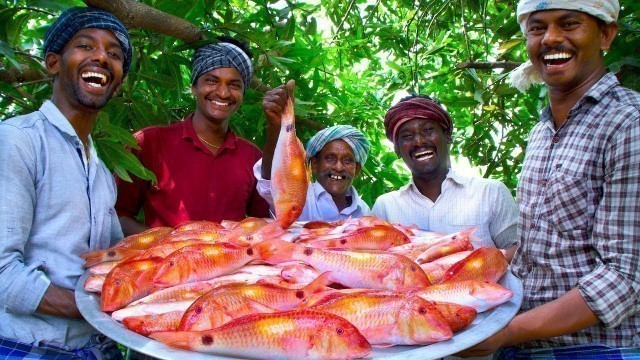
pixel 319 204
pixel 54 206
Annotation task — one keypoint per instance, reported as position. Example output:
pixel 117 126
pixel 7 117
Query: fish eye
pixel 339 331
pixel 171 263
pixel 423 310
pixel 117 282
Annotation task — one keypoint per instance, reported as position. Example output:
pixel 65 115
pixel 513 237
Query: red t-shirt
pixel 193 183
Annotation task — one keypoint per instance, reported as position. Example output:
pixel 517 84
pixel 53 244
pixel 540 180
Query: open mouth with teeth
pixel 94 79
pixel 219 103
pixel 557 59
pixel 424 155
pixel 337 177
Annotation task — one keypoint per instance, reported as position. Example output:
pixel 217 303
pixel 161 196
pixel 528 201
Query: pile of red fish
pixel 318 290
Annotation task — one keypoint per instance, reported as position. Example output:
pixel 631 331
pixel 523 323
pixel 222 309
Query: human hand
pixel 487 347
pixel 275 100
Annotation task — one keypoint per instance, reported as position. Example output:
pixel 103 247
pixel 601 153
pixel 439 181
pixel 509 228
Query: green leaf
pixel 119 159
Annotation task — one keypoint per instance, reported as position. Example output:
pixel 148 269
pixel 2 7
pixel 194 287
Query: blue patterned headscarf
pixel 221 55
pixel 77 18
pixel 352 136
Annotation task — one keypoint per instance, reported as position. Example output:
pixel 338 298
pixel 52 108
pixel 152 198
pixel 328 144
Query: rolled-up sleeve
pixel 612 289
pixel 21 287
pixel 504 218
pixel 263 186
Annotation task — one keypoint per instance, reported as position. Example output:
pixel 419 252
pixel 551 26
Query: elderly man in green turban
pixel 579 220
pixel 336 155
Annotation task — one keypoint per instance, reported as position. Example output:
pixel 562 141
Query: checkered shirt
pixel 579 214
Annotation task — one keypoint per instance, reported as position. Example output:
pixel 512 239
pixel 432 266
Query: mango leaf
pixel 117 158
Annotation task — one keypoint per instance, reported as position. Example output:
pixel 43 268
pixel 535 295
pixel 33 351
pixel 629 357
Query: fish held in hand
pixel 289 176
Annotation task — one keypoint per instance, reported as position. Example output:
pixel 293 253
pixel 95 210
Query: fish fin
pixel 319 284
pixel 257 307
pixel 275 251
pixel 295 347
pixel 189 340
pixel 381 345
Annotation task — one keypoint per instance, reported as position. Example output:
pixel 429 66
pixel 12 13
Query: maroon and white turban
pixel 415 108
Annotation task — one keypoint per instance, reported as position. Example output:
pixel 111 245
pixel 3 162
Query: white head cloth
pixel 606 10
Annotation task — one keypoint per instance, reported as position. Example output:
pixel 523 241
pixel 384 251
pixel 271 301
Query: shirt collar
pixel 452 178
pixel 188 132
pixel 57 119
pixel 319 190
pixel 596 93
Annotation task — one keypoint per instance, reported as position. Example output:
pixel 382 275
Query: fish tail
pixel 275 251
pixel 181 339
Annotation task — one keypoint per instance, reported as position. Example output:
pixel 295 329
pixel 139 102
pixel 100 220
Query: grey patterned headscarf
pixel 221 55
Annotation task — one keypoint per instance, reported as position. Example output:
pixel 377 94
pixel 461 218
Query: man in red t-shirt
pixel 204 170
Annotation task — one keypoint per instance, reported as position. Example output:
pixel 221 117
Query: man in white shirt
pixel 437 198
pixel 336 155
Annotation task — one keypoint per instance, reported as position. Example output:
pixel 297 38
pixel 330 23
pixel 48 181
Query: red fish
pixel 289 177
pixel 486 264
pixel 296 334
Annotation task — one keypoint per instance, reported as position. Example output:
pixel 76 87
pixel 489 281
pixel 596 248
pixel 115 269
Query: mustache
pixel 98 65
pixel 421 148
pixel 560 48
pixel 326 173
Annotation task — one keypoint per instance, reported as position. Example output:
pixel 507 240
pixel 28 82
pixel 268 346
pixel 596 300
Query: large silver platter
pixel 485 325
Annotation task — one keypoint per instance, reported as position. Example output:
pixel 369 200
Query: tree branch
pixel 136 15
pixel 14 75
pixel 509 65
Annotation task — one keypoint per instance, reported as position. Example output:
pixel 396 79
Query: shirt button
pixel 556 139
pixel 543 183
pixel 212 194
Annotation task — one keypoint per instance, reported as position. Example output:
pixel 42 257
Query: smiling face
pixel 335 167
pixel 219 93
pixel 566 46
pixel 88 70
pixel 424 147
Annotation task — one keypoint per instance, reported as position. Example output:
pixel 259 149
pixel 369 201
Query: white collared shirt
pixel 319 204
pixel 464 202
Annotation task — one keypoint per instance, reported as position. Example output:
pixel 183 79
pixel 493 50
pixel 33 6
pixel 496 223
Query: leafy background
pixel 351 60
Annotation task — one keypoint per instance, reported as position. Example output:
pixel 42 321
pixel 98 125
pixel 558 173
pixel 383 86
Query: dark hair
pixel 420 96
pixel 239 43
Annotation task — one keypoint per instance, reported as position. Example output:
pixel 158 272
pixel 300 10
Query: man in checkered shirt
pixel 579 221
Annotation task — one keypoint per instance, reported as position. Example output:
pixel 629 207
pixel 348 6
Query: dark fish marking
pixel 207 340
pixel 250 251
pixel 299 294
pixel 308 251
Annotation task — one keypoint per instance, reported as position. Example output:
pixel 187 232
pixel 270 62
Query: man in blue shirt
pixel 56 196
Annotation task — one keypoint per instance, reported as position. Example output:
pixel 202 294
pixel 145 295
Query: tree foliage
pixel 350 59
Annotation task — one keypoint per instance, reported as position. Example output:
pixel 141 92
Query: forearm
pixel 59 302
pixel 131 226
pixel 509 252
pixel 565 315
pixel 270 143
